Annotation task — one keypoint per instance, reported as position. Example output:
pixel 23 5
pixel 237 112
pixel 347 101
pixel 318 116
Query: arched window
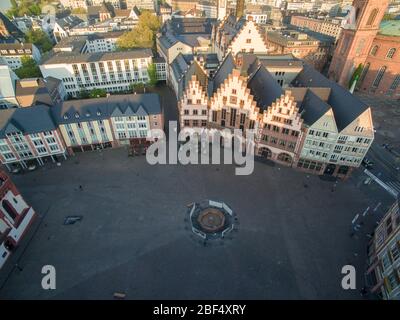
pixel 284 157
pixel 379 77
pixel 374 50
pixel 372 17
pixel 364 72
pixel 391 53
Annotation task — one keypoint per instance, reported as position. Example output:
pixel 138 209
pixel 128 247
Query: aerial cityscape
pixel 200 150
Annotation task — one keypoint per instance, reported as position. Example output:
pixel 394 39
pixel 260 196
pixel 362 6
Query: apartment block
pixel 29 136
pixel 313 48
pixel 13 52
pixel 116 120
pixel 329 27
pixel 15 217
pixel 112 71
pixel 383 274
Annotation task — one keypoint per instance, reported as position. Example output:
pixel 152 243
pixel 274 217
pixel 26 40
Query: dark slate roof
pixel 222 73
pixel 191 25
pixel 69 21
pixel 180 64
pixel 193 70
pixel 312 108
pixel 192 40
pixel 26 120
pixel 74 57
pixel 102 108
pixel 264 88
pixel 167 40
pixel 230 26
pixel 11 28
pixel 346 107
pixel 105 35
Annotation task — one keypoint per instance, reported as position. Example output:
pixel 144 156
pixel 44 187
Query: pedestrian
pixel 80 188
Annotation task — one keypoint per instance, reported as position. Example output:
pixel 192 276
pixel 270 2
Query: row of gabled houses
pixel 34 135
pixel 301 118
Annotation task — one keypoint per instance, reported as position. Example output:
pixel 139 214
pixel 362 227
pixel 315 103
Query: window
pixel 372 17
pixel 395 83
pixel 364 71
pixel 374 50
pixel 214 116
pixel 248 40
pixel 233 117
pixel 395 252
pixel 391 53
pixel 379 77
pixel 385 262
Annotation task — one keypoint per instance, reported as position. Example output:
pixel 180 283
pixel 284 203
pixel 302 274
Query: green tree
pixel 29 69
pixel 40 39
pixel 83 94
pixel 98 93
pixel 28 7
pixel 137 87
pixel 152 74
pixel 142 35
pixel 356 75
pixel 79 11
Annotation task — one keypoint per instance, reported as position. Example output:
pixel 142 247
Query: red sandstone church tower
pixel 356 39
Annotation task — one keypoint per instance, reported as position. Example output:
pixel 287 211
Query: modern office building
pixel 112 71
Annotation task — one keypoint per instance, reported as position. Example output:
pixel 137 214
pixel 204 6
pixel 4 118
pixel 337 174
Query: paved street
pixel 386 117
pixel 293 236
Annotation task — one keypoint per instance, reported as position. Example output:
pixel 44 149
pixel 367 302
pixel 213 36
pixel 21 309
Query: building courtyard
pixel 291 239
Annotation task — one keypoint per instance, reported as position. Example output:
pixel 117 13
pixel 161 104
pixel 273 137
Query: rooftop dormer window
pixel 77 115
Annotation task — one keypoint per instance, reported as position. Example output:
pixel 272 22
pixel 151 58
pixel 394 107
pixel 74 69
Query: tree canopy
pixel 143 34
pixel 29 69
pixel 79 11
pixel 28 7
pixel 152 74
pixel 40 39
